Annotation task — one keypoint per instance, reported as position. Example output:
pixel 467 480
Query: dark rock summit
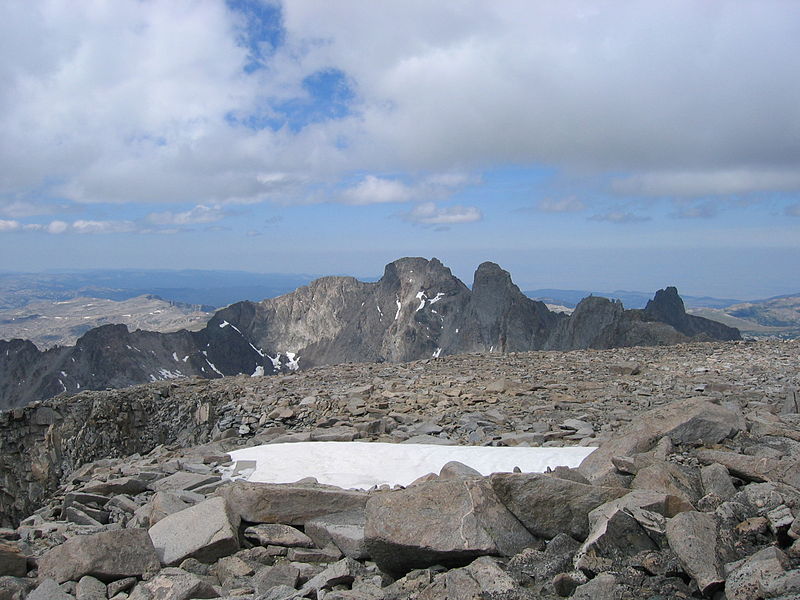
pixel 418 309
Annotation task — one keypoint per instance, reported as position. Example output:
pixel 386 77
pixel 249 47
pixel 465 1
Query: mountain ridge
pixel 418 309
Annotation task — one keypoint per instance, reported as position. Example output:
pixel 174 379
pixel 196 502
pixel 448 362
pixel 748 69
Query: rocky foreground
pixel 693 491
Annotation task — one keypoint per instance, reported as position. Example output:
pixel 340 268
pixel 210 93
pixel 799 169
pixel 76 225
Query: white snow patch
pixel 436 298
pixel 258 350
pixel 456 329
pixel 437 353
pixel 421 297
pixel 62 385
pixel 224 324
pixel 276 362
pixel 165 374
pixel 210 364
pixel 365 464
pixel 294 363
pixel 380 312
pixel 63 374
pixel 259 372
pixel 185 358
pixel 175 357
pixel 399 306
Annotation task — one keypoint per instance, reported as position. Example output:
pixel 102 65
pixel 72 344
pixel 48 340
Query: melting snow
pixel 165 374
pixel 437 353
pixel 364 464
pixel 224 324
pixel 63 374
pixel 175 356
pixel 185 358
pixel 380 312
pixel 258 372
pixel 294 363
pixel 258 350
pixel 421 298
pixel 399 306
pixel 62 385
pixel 436 298
pixel 210 364
pixel 276 362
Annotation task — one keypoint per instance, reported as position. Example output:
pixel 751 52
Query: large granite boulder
pixel 108 555
pixel 690 421
pixel 547 505
pixel 291 504
pixel 206 531
pixel 449 522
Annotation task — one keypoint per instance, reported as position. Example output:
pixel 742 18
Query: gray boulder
pixel 690 421
pixel 694 538
pixel 277 534
pixel 12 561
pixel 107 556
pixel 344 530
pixel 292 504
pixel 548 505
pixel 49 590
pixel 450 522
pixel 206 531
pixel 747 578
pixel 173 584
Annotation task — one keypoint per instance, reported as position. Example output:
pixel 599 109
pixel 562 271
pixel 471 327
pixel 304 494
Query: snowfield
pixel 365 464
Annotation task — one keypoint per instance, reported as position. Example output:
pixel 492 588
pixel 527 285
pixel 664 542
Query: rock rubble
pixel 693 491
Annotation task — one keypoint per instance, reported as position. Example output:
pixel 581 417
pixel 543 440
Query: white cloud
pixel 428 213
pixel 8 225
pixel 57 227
pixel 130 102
pixel 561 205
pixel 83 226
pixel 376 190
pixel 197 215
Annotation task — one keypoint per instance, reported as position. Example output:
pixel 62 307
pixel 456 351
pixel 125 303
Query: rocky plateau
pixel 693 490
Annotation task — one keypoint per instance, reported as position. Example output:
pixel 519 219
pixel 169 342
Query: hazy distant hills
pixel 778 316
pixel 200 287
pixel 50 323
pixel 570 298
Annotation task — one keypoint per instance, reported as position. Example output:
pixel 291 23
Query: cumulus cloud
pixel 84 226
pixel 376 190
pixel 9 225
pixel 197 215
pixel 620 217
pixel 101 105
pixel 561 205
pixel 428 213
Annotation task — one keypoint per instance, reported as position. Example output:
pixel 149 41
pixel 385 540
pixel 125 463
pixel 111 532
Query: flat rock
pixel 173 584
pixel 449 522
pixel 12 561
pixel 206 531
pixel 548 505
pixel 182 480
pixel 277 534
pixel 291 504
pixel 107 556
pixel 747 578
pixel 49 590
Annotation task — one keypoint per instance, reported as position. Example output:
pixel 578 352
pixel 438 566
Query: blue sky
pixel 589 145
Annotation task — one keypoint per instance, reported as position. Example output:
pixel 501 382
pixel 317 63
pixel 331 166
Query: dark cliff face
pixel 418 309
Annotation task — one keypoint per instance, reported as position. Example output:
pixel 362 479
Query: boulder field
pixel 694 493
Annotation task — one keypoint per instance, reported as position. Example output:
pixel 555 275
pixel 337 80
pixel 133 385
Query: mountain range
pixel 417 309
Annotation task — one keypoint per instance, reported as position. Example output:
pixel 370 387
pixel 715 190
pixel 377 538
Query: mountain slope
pixel 418 309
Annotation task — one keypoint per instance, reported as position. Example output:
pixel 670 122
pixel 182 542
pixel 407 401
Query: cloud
pixel 619 217
pixel 197 215
pixel 561 205
pixel 57 227
pixel 725 182
pixel 102 106
pixel 428 213
pixel 83 226
pixel 9 225
pixel 375 190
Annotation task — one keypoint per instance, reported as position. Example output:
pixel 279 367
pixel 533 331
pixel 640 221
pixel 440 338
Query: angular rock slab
pixel 206 531
pixel 448 522
pixel 291 504
pixel 344 530
pixel 173 584
pixel 49 590
pixel 547 505
pixel 694 539
pixel 689 421
pixel 749 577
pixel 108 555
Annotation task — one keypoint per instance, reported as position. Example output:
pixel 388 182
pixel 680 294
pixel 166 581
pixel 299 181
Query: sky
pixel 579 144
